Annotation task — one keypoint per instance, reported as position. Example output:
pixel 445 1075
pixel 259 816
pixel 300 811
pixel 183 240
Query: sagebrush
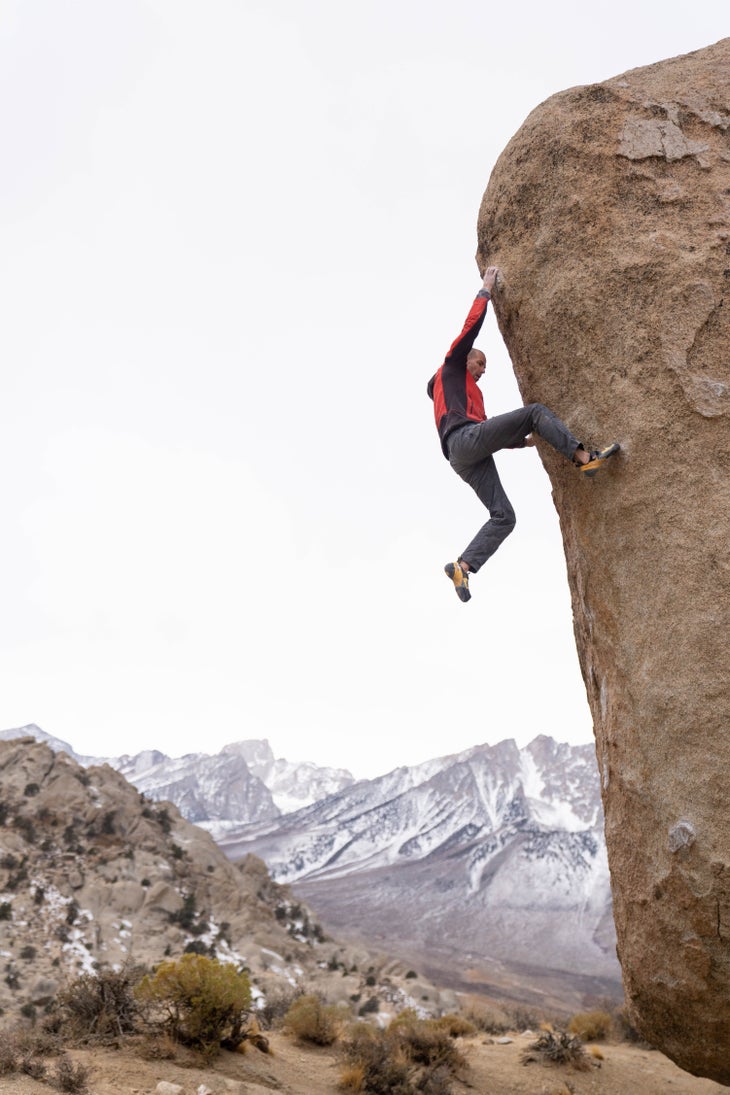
pixel 200 1002
pixel 591 1026
pixel 311 1020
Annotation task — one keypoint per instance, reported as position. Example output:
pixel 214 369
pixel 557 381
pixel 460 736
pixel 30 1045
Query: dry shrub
pixel 381 1060
pixel 36 1041
pixel 22 1050
pixel 437 1082
pixel 71 1077
pixel 99 1007
pixel 457 1026
pixel 488 1018
pixel 158 1046
pixel 524 1018
pixel 33 1066
pixel 8 1055
pixel 274 1009
pixel 428 1043
pixel 311 1020
pixel 557 1047
pixel 412 1056
pixel 352 1078
pixel 591 1026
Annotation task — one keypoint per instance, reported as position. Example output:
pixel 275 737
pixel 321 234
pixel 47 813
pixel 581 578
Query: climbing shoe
pixel 460 578
pixel 597 459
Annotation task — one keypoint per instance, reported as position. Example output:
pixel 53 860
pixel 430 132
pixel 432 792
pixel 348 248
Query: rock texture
pixel 609 214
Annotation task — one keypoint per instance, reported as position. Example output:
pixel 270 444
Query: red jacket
pixel 457 398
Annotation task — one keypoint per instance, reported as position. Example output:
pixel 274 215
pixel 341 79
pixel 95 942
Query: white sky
pixel 237 239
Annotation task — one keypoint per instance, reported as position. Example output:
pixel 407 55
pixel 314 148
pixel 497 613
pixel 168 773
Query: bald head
pixel 476 363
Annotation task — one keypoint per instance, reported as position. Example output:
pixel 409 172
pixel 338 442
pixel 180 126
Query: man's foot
pixel 460 577
pixel 596 460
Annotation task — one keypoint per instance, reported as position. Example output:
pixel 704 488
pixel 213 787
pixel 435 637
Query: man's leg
pixel 473 443
pixel 484 480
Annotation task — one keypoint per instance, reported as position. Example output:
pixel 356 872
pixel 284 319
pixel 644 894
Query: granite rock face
pixel 609 215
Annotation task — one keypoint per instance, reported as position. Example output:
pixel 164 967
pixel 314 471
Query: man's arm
pixel 461 346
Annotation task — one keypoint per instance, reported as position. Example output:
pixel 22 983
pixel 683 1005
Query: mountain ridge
pixel 477 866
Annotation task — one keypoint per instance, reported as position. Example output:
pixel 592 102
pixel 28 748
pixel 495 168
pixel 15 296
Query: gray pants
pixel 471 450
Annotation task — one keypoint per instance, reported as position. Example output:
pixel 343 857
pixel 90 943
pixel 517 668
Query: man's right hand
pixel 490 278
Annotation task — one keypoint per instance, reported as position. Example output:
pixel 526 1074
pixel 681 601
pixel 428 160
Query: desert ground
pixel 494 1069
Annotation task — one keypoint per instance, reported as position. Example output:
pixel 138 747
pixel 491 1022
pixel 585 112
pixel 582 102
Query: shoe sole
pixel 590 469
pixel 462 592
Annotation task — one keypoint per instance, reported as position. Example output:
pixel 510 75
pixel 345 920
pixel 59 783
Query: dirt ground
pixel 494 1069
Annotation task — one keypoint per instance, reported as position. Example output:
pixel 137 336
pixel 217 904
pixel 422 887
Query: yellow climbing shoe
pixel 460 578
pixel 597 460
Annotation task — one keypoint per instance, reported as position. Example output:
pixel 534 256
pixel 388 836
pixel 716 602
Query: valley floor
pixel 298 1070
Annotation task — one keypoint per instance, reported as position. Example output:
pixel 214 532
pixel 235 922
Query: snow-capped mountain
pixel 242 783
pixel 495 855
pixel 292 784
pixel 413 812
pixel 487 869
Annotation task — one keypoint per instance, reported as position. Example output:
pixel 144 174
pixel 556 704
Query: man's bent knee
pixel 506 520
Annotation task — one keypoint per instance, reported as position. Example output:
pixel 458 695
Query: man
pixel 469 439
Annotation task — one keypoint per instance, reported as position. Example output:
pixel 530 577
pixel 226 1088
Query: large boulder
pixel 609 215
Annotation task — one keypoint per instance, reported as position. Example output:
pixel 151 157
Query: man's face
pixel 476 363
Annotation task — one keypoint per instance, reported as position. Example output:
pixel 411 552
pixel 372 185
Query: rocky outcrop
pixel 609 214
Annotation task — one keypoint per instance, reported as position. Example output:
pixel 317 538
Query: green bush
pixel 200 1000
pixel 312 1021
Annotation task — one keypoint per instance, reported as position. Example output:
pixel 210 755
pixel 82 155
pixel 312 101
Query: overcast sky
pixel 237 239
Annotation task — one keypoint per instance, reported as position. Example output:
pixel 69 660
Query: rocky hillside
pixel 486 868
pixel 93 872
pixel 609 214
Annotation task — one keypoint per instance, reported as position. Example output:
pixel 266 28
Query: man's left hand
pixel 490 278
